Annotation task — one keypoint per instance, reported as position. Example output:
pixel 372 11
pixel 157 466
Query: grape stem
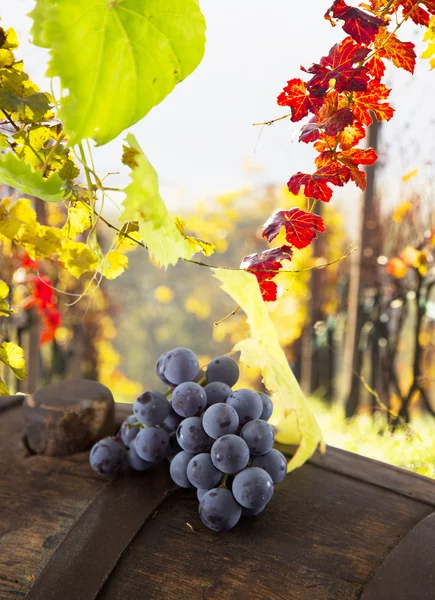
pixel 224 480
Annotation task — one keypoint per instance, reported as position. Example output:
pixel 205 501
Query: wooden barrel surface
pixel 342 527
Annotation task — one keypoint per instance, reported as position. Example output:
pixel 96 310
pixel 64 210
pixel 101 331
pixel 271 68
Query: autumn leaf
pixel 351 136
pixel 115 263
pixel 409 175
pixel 4 293
pixel 296 96
pixel 401 54
pixel 13 356
pixel 197 245
pixel 265 267
pixel 376 67
pixel 300 226
pixel 339 67
pixel 373 99
pixel 429 36
pixel 333 124
pixel 415 12
pixel 315 185
pixel 397 268
pixel 79 219
pixel 77 257
pixel 292 416
pixel 362 27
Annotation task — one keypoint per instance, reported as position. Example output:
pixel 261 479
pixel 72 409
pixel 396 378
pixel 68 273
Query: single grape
pixel 172 420
pixel 267 406
pixel 223 369
pixel 252 512
pixel 217 392
pixel 202 473
pixel 151 408
pixel 247 403
pixel 230 454
pixel 129 433
pixel 259 435
pixel 189 399
pixel 253 488
pixel 218 510
pixel 192 437
pixel 177 366
pixel 220 419
pixel 159 369
pixel 107 456
pixel 152 444
pixel 178 469
pixel 273 463
pixel 135 462
pixel 174 446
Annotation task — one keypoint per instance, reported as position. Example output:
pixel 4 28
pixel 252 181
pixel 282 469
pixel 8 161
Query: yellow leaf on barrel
pixel 294 421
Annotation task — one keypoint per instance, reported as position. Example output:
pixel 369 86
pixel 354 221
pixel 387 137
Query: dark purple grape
pixel 247 403
pixel 267 406
pixel 189 399
pixel 152 444
pixel 192 437
pixel 220 419
pixel 230 454
pixel 107 456
pixel 218 510
pixel 259 435
pixel 177 366
pixel 253 488
pixel 202 473
pixel 135 462
pixel 178 469
pixel 217 392
pixel 151 408
pixel 172 420
pixel 273 463
pixel 129 433
pixel 223 369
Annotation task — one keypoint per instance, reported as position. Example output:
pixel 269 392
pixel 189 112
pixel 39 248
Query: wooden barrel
pixel 340 528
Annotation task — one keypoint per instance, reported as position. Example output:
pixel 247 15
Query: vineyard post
pixel 363 277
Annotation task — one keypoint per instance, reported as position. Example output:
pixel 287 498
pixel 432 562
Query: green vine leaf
pixel 292 416
pixel 15 173
pixel 163 236
pixel 117 58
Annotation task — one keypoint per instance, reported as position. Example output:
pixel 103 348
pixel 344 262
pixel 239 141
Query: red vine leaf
pixel 400 53
pixel 265 267
pixel 331 126
pixel 376 67
pixel 315 185
pixel 300 226
pixel 352 135
pixel 361 26
pixel 372 99
pixel 296 96
pixel 417 13
pixel 339 67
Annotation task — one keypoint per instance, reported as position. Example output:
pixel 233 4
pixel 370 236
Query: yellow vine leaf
pixel 4 293
pixel 79 219
pixel 78 258
pixel 115 264
pixel 429 36
pixel 144 204
pixel 295 423
pixel 13 356
pixel 197 245
pixel 3 388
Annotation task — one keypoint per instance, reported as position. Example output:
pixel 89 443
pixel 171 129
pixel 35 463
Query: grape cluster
pixel 216 440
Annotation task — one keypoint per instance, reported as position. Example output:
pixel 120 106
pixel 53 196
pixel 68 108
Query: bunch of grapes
pixel 216 440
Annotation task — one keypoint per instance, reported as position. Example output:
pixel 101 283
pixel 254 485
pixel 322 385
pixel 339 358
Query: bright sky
pixel 201 136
